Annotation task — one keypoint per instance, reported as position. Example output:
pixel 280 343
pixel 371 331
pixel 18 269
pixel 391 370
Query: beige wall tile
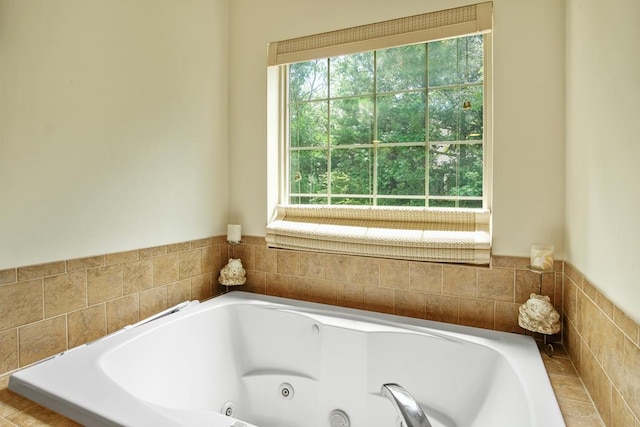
pixel 120 257
pixel 572 343
pixel 628 325
pixel 178 247
pixel 506 317
pixel 394 274
pixel 593 335
pixel 21 303
pixel 589 289
pixel 190 264
pixel 496 284
pixel 311 264
pixel 299 287
pixel 364 271
pixel 178 292
pixel 201 287
pixel 153 301
pixel 42 339
pixel 9 275
pixel 601 394
pixel 41 270
pixel 337 268
pixel 65 293
pixel 276 285
pixel 137 276
pixel 166 269
pixel 527 283
pixel 200 243
pixel 287 262
pixel 558 289
pixel 104 283
pixel 122 312
pixel 152 252
pixel 323 291
pixel 8 350
pixel 426 277
pixel 410 303
pixel 478 313
pixel 266 259
pixel 629 387
pixel 87 325
pixel 509 262
pixel 605 305
pixel 350 295
pixel 251 240
pixel 210 256
pixel 573 274
pixel 548 285
pixel 621 415
pixel 85 263
pixel 218 289
pixel 378 299
pixel 256 282
pixel 588 367
pixel 247 255
pixel 225 254
pixel 441 308
pixel 569 301
pixel 613 357
pixel 459 281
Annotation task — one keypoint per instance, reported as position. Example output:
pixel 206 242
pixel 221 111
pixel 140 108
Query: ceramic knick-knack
pixel 232 274
pixel 538 315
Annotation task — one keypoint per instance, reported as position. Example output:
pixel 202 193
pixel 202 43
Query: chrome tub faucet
pixel 411 414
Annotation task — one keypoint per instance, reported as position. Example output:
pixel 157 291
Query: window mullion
pixel 427 145
pixel 328 148
pixel 374 142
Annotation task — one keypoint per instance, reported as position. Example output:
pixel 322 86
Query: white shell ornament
pixel 538 315
pixel 232 274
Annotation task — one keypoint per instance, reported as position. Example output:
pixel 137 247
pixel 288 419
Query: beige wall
pixel 113 125
pixel 115 130
pixel 528 196
pixel 603 146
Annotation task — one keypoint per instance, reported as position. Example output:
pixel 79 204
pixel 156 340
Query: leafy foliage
pixel 398 126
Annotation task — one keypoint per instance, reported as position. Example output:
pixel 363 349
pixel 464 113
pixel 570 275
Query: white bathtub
pixel 234 353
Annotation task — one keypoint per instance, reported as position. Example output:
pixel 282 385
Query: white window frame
pixel 458 235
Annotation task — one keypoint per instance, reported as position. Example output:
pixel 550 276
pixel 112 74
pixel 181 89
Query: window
pixel 384 138
pixel 401 126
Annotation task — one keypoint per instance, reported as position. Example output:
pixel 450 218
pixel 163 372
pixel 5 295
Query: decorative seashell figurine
pixel 232 274
pixel 538 315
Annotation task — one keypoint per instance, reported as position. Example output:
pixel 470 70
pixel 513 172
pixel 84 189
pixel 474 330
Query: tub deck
pixel 380 337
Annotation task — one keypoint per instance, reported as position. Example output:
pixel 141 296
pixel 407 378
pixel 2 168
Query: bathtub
pixel 245 360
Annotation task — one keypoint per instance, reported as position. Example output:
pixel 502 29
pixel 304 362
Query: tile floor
pixel 575 403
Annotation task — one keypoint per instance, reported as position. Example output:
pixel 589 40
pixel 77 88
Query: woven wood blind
pixel 465 20
pixel 424 234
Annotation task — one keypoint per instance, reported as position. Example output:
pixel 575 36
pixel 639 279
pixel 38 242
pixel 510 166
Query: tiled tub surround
pixel 55 306
pixel 603 343
pixel 49 308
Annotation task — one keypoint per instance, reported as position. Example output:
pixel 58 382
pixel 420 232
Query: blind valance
pixel 424 234
pixel 465 20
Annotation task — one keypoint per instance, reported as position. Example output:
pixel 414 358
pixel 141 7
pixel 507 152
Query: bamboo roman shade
pixel 424 234
pixel 465 20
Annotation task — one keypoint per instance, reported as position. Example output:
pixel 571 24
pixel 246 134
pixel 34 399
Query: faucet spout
pixel 408 409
